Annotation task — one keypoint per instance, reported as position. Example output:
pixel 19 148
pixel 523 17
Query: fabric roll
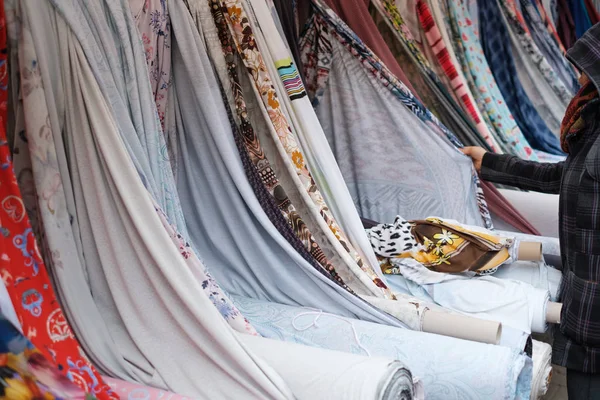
pixel 516 23
pixel 542 369
pixel 565 25
pixel 356 14
pixel 448 368
pixel 537 274
pixel 259 170
pixel 441 245
pixel 437 40
pixel 49 169
pixel 314 373
pixel 125 220
pixel 513 303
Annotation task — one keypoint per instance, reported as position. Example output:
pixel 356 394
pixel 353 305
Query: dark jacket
pixel 577 181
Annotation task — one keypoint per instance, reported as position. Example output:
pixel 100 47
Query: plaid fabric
pixel 577 341
pixel 496 44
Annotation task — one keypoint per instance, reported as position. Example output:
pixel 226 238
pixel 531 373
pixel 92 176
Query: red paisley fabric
pixel 24 273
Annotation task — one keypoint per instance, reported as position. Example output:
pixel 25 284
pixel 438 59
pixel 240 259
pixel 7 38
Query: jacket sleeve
pixel 528 175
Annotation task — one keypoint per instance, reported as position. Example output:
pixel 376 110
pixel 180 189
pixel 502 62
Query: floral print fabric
pixel 26 374
pixel 243 36
pixel 154 25
pixel 489 98
pixel 23 270
pixel 258 158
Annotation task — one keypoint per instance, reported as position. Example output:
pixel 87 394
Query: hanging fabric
pixel 468 50
pixel 356 13
pixel 496 45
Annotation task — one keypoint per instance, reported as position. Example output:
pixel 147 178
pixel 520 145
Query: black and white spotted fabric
pixel 391 240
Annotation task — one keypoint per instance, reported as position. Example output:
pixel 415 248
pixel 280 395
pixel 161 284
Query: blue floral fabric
pixel 496 44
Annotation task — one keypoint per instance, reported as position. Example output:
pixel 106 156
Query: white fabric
pixel 513 303
pixel 537 274
pixel 319 374
pixel 450 369
pixel 540 209
pixel 542 369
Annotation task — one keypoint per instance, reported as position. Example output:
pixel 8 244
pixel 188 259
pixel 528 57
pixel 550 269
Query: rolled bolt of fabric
pixel 529 251
pixel 553 311
pixel 462 327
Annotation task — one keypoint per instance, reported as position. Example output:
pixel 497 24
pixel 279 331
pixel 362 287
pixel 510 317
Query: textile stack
pixel 272 199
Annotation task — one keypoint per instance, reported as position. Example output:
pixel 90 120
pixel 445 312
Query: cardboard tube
pixel 530 251
pixel 553 311
pixel 462 327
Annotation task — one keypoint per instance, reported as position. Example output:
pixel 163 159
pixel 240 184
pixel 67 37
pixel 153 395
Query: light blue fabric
pixel 450 369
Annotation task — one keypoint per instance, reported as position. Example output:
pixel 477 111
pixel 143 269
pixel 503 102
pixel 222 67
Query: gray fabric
pixel 392 162
pixel 238 243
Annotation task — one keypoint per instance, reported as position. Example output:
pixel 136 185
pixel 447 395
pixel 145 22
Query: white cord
pixel 315 321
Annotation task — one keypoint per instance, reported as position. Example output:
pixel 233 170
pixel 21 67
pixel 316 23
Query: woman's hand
pixel 476 154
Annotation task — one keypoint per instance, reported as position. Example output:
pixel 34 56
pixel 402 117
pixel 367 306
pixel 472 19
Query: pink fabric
pixel 355 13
pixel 132 391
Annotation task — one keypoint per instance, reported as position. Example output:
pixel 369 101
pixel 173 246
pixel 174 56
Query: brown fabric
pixel 565 26
pixel 573 123
pixel 355 14
pixel 447 249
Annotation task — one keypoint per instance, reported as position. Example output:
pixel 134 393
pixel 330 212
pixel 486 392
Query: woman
pixel 577 181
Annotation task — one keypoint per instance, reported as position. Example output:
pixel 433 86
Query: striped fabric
pixel 457 80
pixel 290 78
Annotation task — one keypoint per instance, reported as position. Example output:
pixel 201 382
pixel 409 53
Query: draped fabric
pixel 312 140
pixel 565 25
pixel 549 46
pixel 23 270
pixel 496 45
pixel 483 86
pixel 218 200
pixel 447 61
pixel 432 92
pixel 28 373
pixel 284 132
pixel 388 173
pixel 580 17
pixel 517 24
pixel 439 362
pixel 356 14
